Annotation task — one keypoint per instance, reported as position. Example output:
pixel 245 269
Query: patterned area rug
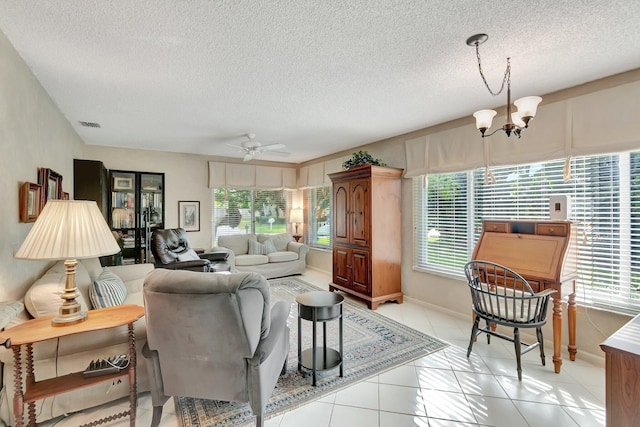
pixel 372 344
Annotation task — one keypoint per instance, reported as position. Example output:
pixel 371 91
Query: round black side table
pixel 319 306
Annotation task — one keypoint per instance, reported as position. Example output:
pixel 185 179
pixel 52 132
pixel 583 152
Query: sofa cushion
pixel 188 255
pixel 9 311
pixel 265 248
pixel 280 240
pixel 238 243
pixel 282 256
pixel 245 260
pixel 43 297
pixel 108 290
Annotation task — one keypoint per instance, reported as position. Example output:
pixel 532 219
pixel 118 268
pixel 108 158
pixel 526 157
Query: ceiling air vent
pixel 90 124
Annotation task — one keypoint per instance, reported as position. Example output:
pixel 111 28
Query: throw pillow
pixel 189 255
pixel 265 248
pixel 108 290
pixel 271 247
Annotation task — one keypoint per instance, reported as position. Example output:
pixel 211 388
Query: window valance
pixel 601 122
pixel 317 174
pixel 236 175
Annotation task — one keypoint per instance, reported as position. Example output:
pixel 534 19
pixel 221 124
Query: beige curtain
pixel 601 122
pixel 249 176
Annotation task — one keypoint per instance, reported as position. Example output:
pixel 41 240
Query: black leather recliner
pixel 171 250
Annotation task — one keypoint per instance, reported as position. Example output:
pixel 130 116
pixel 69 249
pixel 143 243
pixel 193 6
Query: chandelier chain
pixel 505 79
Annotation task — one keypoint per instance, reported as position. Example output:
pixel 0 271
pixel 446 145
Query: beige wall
pixel 33 134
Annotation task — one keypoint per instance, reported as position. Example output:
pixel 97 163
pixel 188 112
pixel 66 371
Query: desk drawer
pixel 496 227
pixel 552 229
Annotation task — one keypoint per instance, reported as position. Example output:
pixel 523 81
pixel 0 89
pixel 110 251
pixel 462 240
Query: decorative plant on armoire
pixel 362 158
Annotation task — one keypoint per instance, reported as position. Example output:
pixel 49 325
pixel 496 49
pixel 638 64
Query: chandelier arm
pixel 507 73
pixel 489 134
pixel 516 131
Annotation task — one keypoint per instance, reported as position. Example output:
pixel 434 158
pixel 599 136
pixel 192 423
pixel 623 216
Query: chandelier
pixel 527 106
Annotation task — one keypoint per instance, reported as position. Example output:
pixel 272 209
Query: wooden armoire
pixel 367 233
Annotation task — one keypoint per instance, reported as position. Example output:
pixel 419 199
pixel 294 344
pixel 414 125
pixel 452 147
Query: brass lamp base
pixel 70 312
pixel 69 318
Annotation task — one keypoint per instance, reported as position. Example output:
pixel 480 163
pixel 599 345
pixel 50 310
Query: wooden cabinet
pixel 367 233
pixel 136 209
pixel 622 351
pixel 91 182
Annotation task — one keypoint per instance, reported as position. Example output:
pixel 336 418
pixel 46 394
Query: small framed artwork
pixel 30 199
pixel 122 183
pixel 51 183
pixel 189 216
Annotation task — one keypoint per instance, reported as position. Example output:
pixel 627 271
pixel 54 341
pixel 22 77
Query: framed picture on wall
pixel 51 183
pixel 189 215
pixel 30 199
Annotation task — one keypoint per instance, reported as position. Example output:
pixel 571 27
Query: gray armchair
pixel 171 250
pixel 213 336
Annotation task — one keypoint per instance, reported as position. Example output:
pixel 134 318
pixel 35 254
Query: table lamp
pixel 295 217
pixel 69 230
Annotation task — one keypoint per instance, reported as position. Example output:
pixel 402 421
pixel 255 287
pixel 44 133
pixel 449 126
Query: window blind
pixel 605 210
pixel 318 225
pixel 240 211
pixel 441 222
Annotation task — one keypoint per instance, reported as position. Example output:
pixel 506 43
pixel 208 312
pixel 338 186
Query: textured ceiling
pixel 318 76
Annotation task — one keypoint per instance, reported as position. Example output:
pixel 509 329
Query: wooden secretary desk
pixel 545 254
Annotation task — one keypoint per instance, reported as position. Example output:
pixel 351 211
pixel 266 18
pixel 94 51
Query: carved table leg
pixel 30 380
pixel 557 333
pixel 18 400
pixel 571 313
pixel 133 396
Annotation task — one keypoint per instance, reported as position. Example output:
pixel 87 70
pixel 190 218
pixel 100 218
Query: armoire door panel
pixel 360 213
pixel 361 269
pixel 341 213
pixel 342 266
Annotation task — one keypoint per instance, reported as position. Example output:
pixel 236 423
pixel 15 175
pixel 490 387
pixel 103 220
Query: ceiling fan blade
pixel 270 147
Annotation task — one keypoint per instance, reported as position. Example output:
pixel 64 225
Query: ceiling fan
pixel 252 148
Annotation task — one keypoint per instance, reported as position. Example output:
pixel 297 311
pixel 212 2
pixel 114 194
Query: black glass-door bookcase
pixel 136 208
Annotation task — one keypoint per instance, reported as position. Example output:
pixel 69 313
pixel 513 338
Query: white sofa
pixel 73 353
pixel 288 258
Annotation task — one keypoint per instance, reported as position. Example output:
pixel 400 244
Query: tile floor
pixel 440 390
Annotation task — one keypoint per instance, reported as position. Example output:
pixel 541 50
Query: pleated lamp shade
pixel 68 229
pixel 295 216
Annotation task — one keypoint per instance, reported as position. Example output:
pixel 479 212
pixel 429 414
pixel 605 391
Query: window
pixel 605 210
pixel 238 211
pixel 442 222
pixel 319 221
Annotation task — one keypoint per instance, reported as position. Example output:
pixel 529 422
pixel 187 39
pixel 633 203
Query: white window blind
pixel 239 211
pixel 605 199
pixel 318 225
pixel 441 222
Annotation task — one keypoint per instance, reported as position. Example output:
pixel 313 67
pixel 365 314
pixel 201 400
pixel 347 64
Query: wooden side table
pixel 40 329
